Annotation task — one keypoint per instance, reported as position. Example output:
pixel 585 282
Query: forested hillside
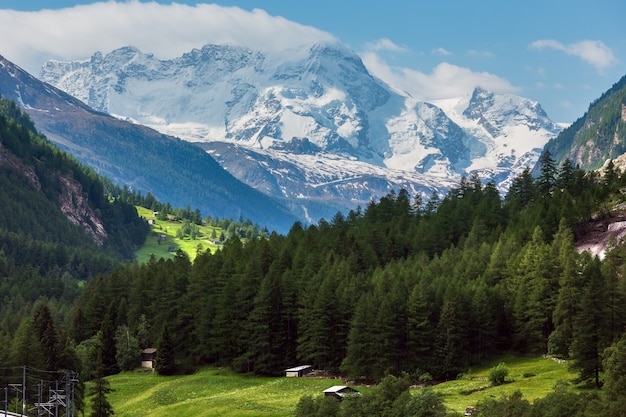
pixel 399 286
pixel 599 135
pixel 57 230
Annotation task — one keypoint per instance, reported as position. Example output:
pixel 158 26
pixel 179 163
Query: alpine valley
pixel 311 127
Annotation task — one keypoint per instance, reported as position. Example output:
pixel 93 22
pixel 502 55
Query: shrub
pixel 498 374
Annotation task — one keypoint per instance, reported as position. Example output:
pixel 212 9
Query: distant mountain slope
pixel 54 214
pixel 129 154
pixel 599 135
pixel 309 115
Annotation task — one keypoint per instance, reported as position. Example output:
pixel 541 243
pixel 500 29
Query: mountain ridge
pixel 137 156
pixel 597 136
pixel 321 96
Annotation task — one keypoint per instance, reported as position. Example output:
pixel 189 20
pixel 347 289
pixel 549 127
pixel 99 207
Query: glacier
pixel 311 126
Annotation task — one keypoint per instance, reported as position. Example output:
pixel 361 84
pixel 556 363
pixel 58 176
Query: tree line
pixel 399 287
pixel 408 285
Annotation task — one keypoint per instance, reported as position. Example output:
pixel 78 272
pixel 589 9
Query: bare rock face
pixel 72 201
pixel 74 205
pixel 604 233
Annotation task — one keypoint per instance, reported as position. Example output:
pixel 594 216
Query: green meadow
pixel 159 247
pixel 533 376
pixel 210 392
pixel 220 392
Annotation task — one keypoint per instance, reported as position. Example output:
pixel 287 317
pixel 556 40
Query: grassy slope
pixel 534 377
pixel 213 392
pixel 169 229
pixel 210 392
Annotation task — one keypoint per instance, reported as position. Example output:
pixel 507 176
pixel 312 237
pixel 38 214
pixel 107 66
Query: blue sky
pixel 564 54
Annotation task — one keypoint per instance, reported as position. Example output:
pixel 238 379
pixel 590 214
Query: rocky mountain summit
pixel 311 127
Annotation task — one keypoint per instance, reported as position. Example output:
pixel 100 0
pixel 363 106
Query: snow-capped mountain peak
pixel 318 101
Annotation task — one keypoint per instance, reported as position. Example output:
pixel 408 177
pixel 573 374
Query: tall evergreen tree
pixel 568 300
pixel 360 357
pixel 448 338
pixel 266 328
pixel 419 330
pixel 547 179
pixel 46 332
pixel 615 375
pixel 109 352
pixel 165 361
pixel 101 388
pixel 589 339
pixel 26 349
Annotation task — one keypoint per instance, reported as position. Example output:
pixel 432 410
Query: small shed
pixel 298 371
pixel 340 391
pixel 147 358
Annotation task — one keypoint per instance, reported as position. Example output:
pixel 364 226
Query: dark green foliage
pixel 512 406
pixel 615 366
pixel 46 332
pixel 43 255
pixel 395 289
pixel 128 352
pixel 390 398
pixel 109 351
pixel 165 361
pixel 100 405
pixel 391 289
pixel 590 336
pixel 425 403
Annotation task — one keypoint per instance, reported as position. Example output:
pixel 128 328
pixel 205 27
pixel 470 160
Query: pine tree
pixel 266 328
pixel 391 338
pixel 535 295
pixel 547 180
pixel 318 316
pixel 615 375
pixel 590 326
pixel 165 362
pixel 568 299
pixel 448 337
pixel 109 353
pixel 101 388
pixel 419 330
pixel 361 350
pixel 44 328
pixel 26 349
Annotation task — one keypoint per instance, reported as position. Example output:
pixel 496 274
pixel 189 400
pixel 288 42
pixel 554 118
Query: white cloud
pixel 31 38
pixel 384 44
pixel 445 81
pixel 595 53
pixel 441 51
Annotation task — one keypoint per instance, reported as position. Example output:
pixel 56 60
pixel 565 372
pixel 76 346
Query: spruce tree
pixel 589 339
pixel 26 349
pixel 360 357
pixel 165 355
pixel 44 328
pixel 101 388
pixel 109 351
pixel 420 330
pixel 547 179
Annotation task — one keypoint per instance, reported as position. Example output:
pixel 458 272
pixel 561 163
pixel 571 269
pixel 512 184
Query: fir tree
pixel 101 388
pixel 44 328
pixel 165 355
pixel 590 326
